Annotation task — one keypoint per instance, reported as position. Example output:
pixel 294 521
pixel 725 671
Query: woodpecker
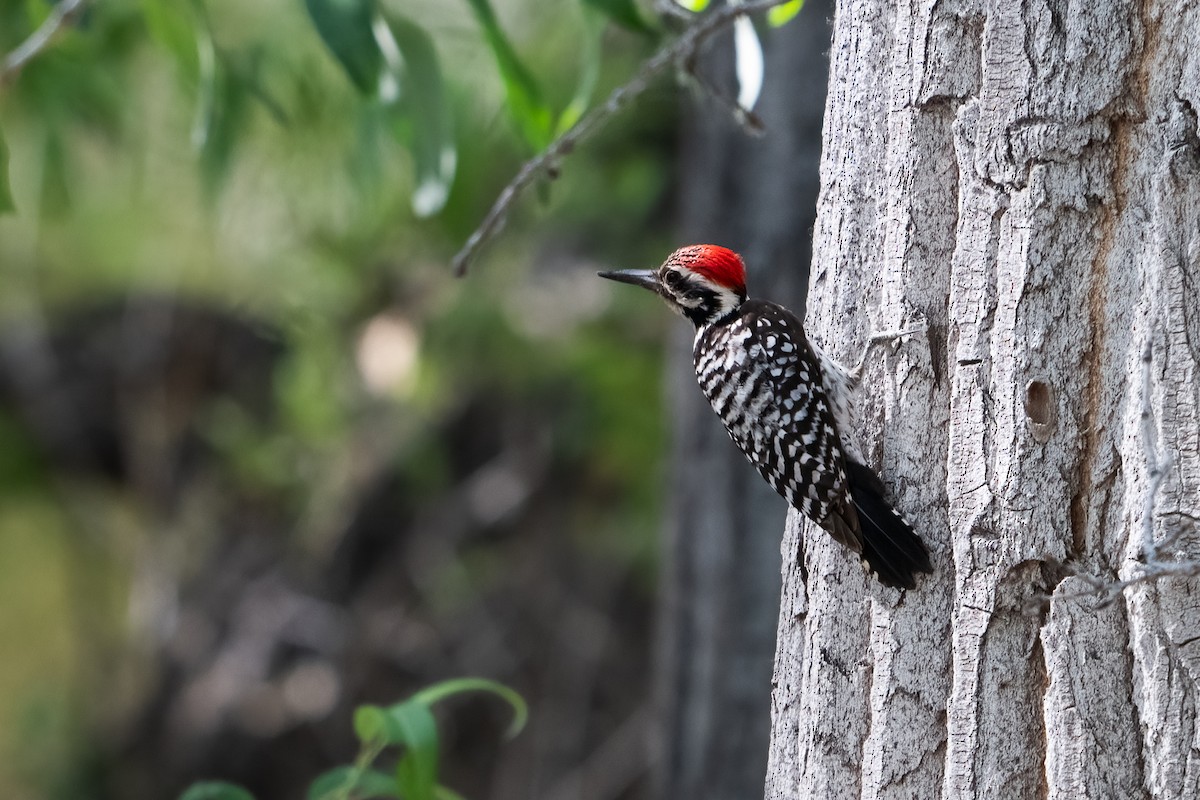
pixel 785 404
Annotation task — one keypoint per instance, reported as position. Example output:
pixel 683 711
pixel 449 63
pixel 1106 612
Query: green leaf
pixel 446 793
pixel 371 726
pixel 173 25
pixel 416 773
pixel 248 71
pixel 411 725
pixel 623 12
pixel 215 790
pixel 525 104
pixel 7 206
pixel 589 71
pixel 351 781
pixel 56 187
pixel 224 111
pixel 345 27
pixel 425 123
pixel 366 158
pixel 444 689
pixel 782 15
pixel 394 60
pixel 206 79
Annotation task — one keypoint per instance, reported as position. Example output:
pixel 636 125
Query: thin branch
pixel 671 9
pixel 1109 590
pixel 547 161
pixel 61 14
pixel 920 325
pixel 1153 567
pixel 749 122
pixel 1155 471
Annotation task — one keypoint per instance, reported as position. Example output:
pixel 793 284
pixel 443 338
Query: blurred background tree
pixel 263 458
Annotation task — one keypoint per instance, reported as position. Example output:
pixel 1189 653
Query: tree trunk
pixel 1027 177
pixel 721 556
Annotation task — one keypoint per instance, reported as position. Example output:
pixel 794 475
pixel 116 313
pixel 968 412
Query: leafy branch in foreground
pixel 60 15
pixel 409 725
pixel 393 65
pixel 681 50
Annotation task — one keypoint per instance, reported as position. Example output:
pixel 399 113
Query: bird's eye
pixel 672 279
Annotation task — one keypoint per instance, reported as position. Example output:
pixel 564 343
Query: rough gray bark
pixel 721 559
pixel 1025 175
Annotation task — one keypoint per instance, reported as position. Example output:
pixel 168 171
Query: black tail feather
pixel 891 549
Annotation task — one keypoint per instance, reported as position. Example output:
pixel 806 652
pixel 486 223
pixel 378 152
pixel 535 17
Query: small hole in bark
pixel 1037 403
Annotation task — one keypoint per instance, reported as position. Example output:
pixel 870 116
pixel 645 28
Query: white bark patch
pixel 1089 701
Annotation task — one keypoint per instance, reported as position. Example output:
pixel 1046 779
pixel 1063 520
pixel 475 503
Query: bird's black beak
pixel 645 278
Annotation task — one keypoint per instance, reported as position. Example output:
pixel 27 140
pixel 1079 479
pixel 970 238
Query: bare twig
pixel 62 14
pixel 750 122
pixel 1153 567
pixel 547 161
pixel 920 325
pixel 671 9
pixel 1155 471
pixel 1108 590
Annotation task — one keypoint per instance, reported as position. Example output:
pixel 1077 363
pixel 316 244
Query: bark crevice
pixel 998 173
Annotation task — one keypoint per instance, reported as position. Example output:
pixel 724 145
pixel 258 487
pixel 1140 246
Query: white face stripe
pixel 726 299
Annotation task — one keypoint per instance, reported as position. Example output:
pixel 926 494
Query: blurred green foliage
pixel 313 168
pixel 783 14
pixel 410 726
